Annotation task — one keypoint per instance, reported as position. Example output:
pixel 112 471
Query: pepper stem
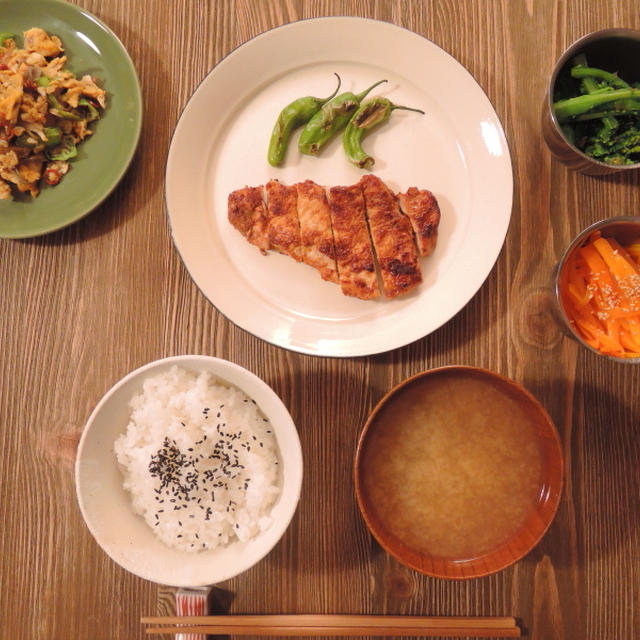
pixel 360 96
pixel 398 106
pixel 333 95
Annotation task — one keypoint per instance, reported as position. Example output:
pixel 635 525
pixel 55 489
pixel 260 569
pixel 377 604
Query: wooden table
pixel 82 307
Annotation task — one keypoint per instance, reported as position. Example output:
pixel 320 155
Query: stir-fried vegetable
pixel 45 112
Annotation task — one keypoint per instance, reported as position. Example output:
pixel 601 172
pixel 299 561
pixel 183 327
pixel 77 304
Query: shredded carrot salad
pixel 600 293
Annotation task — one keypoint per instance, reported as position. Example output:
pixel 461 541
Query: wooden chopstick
pixel 334 620
pixel 425 632
pixel 338 625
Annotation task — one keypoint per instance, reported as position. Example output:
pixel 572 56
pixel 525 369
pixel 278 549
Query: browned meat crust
pixel 392 238
pixel 421 207
pixel 247 214
pixel 316 237
pixel 356 266
pixel 338 235
pixel 282 219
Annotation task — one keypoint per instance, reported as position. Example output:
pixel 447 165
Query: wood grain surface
pixel 82 307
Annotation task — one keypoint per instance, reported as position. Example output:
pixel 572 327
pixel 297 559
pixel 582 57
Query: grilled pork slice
pixel 246 212
pixel 354 255
pixel 283 227
pixel 316 237
pixel 392 238
pixel 421 207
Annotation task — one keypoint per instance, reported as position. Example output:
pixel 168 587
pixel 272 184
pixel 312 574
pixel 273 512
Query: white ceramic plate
pixel 125 536
pixel 457 150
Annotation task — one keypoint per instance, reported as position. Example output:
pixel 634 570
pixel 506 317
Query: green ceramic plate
pixel 91 47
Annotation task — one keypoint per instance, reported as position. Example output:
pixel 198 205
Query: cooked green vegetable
pixel 60 111
pixel 372 113
pixel 294 115
pixel 332 118
pixel 64 151
pixel 6 35
pixel 599 113
pixel 90 110
pixel 33 141
pixel 54 136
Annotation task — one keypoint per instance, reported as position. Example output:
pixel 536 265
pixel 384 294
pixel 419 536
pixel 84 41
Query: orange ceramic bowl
pixel 458 472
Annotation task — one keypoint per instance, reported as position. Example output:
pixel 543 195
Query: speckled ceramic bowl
pixel 124 535
pixel 615 50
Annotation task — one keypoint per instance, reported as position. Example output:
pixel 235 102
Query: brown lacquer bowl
pixel 615 50
pixel 458 472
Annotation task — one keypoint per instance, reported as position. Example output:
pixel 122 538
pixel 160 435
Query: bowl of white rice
pixel 189 471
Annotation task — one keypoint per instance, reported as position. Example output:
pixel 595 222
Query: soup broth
pixel 452 465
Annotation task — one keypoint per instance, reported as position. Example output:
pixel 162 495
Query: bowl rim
pixel 577 241
pixel 504 554
pixel 612 32
pixel 290 494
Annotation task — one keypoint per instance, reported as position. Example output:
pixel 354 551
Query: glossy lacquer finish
pixel 458 454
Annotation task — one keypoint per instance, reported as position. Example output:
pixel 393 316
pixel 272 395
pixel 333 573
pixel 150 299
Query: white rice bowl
pixel 200 461
pixel 134 414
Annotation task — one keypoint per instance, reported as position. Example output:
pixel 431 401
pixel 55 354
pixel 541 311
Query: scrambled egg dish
pixel 45 112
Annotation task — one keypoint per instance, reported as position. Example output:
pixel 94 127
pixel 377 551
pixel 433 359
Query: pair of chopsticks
pixel 337 625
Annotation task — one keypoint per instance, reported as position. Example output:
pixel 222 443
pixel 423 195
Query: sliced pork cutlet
pixel 421 207
pixel 282 219
pixel 247 213
pixel 354 255
pixel 316 237
pixel 392 238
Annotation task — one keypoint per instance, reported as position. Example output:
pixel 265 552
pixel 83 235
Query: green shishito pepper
pixel 331 119
pixel 370 114
pixel 294 115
